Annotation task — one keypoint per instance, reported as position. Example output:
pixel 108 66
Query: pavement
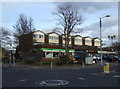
pixel 67 66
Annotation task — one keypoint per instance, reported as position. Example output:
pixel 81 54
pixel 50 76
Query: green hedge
pixel 5 61
pixel 55 62
pixel 48 62
pixel 31 61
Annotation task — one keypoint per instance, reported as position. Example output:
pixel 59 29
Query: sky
pixel 44 20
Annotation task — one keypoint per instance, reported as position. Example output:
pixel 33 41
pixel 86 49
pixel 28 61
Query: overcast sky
pixel 41 12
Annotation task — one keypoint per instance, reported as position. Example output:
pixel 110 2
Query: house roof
pixel 53 32
pixel 96 38
pixel 77 35
pixel 39 31
pixel 87 37
pixel 63 35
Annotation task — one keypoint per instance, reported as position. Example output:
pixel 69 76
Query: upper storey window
pixel 53 37
pixel 38 36
pixel 88 41
pixel 78 40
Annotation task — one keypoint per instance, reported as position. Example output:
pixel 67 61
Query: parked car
pixel 117 58
pixel 72 58
pixel 112 58
pixel 94 58
pixel 105 57
pixel 77 57
pixel 97 57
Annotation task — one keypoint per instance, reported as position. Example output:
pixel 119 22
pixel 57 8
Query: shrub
pixel 58 62
pixel 63 57
pixel 55 62
pixel 30 61
pixel 46 62
pixel 19 60
pixel 79 62
pixel 69 62
pixel 5 61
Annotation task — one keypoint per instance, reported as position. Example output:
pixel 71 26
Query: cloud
pixel 47 20
pixel 91 10
pixel 106 24
pixel 92 7
pixel 47 30
pixel 109 27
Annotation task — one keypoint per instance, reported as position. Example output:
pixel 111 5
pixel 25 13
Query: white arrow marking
pixel 117 76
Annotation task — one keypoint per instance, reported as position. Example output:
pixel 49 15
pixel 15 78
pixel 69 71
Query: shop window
pixel 55 54
pixel 43 54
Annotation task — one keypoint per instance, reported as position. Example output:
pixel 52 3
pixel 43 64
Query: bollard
pixel 13 61
pixel 83 65
pixel 10 59
pixel 51 65
pixel 106 68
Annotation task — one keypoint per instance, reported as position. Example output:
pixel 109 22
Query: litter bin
pixel 106 68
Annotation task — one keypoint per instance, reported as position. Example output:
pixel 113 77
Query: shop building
pixel 54 44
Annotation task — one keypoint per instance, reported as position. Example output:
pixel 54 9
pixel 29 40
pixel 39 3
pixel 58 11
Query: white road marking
pixel 23 80
pixel 81 78
pixel 52 82
pixel 117 76
pixel 94 74
pixel 35 67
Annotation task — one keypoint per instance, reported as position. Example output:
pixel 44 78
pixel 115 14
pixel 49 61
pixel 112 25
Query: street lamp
pixel 101 37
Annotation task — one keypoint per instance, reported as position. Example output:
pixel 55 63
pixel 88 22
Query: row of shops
pixel 56 52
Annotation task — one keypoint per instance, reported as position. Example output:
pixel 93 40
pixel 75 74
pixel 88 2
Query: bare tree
pixel 24 25
pixel 70 19
pixel 116 46
pixel 3 34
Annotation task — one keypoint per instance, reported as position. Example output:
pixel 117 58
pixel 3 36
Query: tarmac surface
pixel 22 75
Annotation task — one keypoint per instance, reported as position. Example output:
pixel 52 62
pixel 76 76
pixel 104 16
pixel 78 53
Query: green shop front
pixel 53 52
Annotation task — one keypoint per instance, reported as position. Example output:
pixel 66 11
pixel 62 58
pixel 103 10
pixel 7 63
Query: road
pixel 85 77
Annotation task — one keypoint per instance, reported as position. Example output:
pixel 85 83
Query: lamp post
pixel 101 37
